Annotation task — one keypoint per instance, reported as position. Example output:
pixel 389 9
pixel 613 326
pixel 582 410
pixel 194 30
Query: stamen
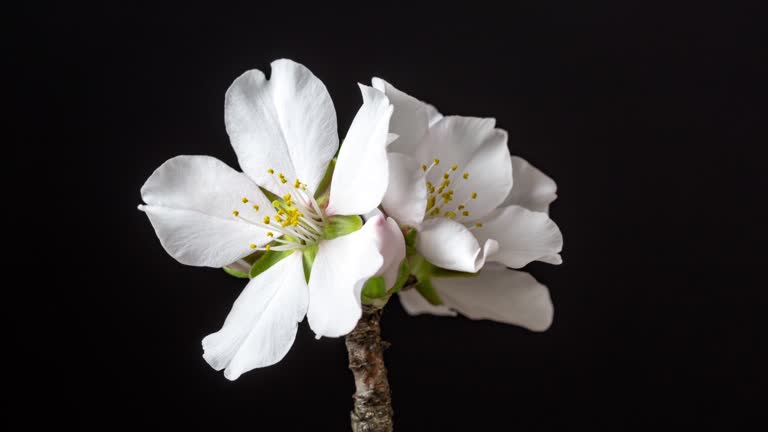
pixel 244 200
pixel 271 171
pixel 466 175
pixel 235 213
pixel 256 207
pixel 474 195
pixel 424 168
pixel 267 247
pixel 454 167
pixel 465 213
pixel 270 234
pixel 252 246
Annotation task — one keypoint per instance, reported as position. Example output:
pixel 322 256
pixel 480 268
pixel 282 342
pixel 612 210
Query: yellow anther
pixel 474 195
pixel 435 211
pixel 278 217
pixel 266 220
pixel 466 175
pixel 436 161
pixel 461 207
pixel 287 197
pixel 268 247
pixel 446 176
pixel 479 225
pixel 430 202
pixel 281 212
pixel 454 167
pixel 423 167
pixel 270 234
pixel 296 184
pixel 252 246
pixel 465 213
pixel 256 207
pixel 271 171
pixel 450 215
pixel 235 213
pixel 283 180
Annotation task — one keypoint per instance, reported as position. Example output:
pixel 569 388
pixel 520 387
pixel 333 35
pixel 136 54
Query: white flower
pixel 451 179
pixel 283 131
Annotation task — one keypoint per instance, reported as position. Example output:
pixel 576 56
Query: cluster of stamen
pixel 440 196
pixel 293 222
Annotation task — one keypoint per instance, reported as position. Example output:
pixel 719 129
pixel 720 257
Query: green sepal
pixel 307 259
pixel 338 226
pixel 420 267
pixel 425 288
pixel 410 237
pixel 402 277
pixel 235 273
pixel 270 196
pixel 374 288
pixel 321 194
pixel 267 260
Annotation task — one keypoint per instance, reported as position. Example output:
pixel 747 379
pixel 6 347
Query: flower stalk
pixel 372 410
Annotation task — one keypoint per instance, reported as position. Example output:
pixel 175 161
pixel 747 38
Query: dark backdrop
pixel 648 117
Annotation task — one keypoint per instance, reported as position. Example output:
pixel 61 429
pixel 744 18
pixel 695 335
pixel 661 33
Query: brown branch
pixel 373 403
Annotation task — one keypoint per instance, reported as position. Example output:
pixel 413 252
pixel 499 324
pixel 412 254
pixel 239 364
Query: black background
pixel 648 117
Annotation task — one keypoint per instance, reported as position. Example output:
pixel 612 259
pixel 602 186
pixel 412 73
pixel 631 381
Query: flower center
pixel 440 202
pixel 294 221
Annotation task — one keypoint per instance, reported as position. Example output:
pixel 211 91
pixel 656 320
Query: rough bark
pixel 372 400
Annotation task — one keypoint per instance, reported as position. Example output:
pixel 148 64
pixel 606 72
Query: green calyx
pixel 307 259
pixel 424 271
pixel 338 226
pixel 376 293
pixel 267 260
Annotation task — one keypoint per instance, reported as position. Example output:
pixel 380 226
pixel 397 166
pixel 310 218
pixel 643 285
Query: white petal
pixel 362 174
pixel 490 176
pixel 190 200
pixel 287 124
pixel 341 267
pixel 391 244
pixel 415 304
pixel 532 188
pixel 406 197
pixel 410 119
pixel 454 140
pixel 433 114
pixel 523 236
pixel 261 326
pixel 449 244
pixel 499 294
pixel 372 214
